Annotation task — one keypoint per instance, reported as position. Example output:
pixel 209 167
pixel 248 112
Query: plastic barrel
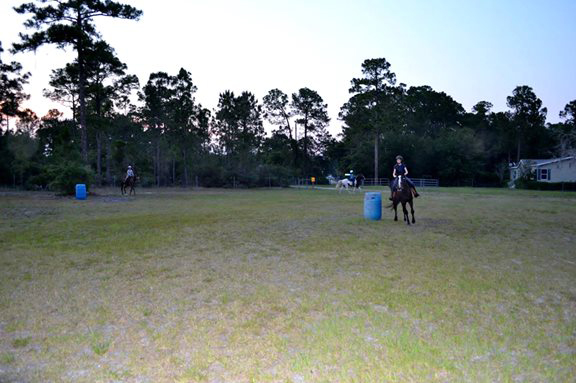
pixel 373 206
pixel 80 191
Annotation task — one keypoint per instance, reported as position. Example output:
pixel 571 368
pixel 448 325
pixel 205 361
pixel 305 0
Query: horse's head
pixel 402 183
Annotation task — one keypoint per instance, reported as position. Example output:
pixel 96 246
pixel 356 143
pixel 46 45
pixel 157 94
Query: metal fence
pixel 377 181
pixel 419 182
pixel 426 182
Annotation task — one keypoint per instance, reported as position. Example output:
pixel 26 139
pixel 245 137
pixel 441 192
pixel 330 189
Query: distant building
pixel 550 170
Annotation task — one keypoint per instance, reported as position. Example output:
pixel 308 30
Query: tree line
pixel 171 139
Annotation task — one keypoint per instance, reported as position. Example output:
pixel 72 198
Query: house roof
pixel 537 163
pixel 553 161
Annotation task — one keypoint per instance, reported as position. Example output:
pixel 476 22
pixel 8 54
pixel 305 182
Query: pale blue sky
pixel 472 50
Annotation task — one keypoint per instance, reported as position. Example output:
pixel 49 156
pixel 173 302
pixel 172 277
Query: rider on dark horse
pixel 129 173
pixel 401 170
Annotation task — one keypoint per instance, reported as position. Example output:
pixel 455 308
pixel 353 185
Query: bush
pixel 209 175
pixel 274 176
pixel 65 176
pixel 535 185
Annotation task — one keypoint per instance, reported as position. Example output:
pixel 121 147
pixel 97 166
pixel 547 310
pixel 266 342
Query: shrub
pixel 274 176
pixel 535 185
pixel 65 176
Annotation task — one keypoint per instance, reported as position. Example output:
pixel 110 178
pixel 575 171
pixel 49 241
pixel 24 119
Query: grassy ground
pixel 287 286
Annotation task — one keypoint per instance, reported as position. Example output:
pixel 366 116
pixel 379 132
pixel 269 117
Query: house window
pixel 544 174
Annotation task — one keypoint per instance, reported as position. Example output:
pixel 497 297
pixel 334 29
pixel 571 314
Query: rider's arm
pixel 394 173
pixel 405 171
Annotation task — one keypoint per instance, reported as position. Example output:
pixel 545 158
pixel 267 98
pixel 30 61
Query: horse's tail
pixel 391 206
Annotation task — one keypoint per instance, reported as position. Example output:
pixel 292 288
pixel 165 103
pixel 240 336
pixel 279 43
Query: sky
pixel 473 50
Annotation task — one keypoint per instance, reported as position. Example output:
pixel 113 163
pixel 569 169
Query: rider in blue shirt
pixel 352 177
pixel 401 169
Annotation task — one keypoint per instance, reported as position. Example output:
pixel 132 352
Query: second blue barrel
pixel 373 206
pixel 80 191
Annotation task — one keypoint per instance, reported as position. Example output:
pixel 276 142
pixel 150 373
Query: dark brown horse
pixel 403 195
pixel 128 182
pixel 359 182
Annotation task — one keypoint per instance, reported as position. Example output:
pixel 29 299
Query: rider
pixel 352 177
pixel 401 169
pixel 129 173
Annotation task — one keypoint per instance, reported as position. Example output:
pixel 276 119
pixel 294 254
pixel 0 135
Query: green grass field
pixel 287 286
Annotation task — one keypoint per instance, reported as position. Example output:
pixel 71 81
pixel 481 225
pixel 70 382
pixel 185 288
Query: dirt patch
pixel 112 199
pixel 433 222
pixel 29 194
pixel 27 212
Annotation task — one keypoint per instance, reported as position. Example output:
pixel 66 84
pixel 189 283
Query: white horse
pixel 345 183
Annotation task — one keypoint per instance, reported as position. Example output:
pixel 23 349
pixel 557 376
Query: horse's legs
pixel 411 202
pixel 405 211
pixel 395 204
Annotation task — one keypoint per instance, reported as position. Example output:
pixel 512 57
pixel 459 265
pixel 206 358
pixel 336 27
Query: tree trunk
pixel 99 158
pixel 288 127
pixel 173 171
pixel 305 150
pixel 83 127
pixel 295 146
pixel 376 146
pixel 74 108
pixel 108 160
pixel 158 163
pixel 82 93
pixel 185 156
pixel 518 151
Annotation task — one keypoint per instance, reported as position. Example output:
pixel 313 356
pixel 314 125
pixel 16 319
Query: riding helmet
pixel 400 158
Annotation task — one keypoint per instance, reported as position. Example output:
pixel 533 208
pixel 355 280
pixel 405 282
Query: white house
pixel 550 170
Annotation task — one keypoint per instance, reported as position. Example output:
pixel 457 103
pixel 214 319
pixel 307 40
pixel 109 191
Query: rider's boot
pixel 415 193
pixel 391 196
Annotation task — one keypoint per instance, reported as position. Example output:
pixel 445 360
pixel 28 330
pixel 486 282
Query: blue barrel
pixel 373 206
pixel 80 191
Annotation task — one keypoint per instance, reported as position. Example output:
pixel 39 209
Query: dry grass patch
pixel 287 286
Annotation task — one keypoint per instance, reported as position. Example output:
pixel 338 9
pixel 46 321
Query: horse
pixel 359 182
pixel 345 183
pixel 128 182
pixel 402 196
